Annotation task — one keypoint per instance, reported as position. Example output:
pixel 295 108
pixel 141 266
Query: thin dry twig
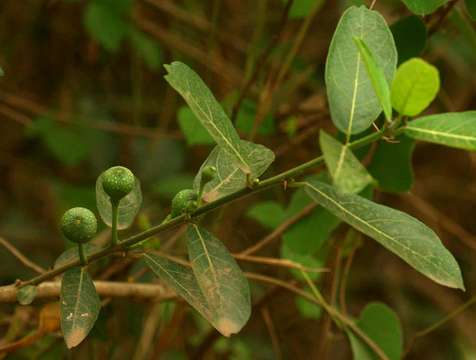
pixel 446 223
pixel 272 332
pixel 279 230
pixel 277 262
pixel 22 258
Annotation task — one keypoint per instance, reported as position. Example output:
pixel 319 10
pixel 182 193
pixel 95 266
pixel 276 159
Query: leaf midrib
pixel 363 222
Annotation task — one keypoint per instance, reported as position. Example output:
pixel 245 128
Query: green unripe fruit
pixel 79 225
pixel 208 174
pixel 184 201
pixel 117 182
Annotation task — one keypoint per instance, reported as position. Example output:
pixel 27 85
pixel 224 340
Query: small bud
pixel 208 174
pixel 79 225
pixel 185 201
pixel 117 182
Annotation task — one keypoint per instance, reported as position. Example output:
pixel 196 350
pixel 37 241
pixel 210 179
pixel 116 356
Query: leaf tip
pixel 75 337
pixel 227 327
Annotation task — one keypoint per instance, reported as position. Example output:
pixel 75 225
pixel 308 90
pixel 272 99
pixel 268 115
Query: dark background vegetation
pixel 83 90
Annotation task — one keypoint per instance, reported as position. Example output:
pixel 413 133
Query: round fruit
pixel 79 225
pixel 185 201
pixel 117 182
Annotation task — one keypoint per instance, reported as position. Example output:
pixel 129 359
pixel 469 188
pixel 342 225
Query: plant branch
pixel 440 322
pixel 23 259
pixel 51 289
pixel 339 319
pixel 124 245
pixel 286 224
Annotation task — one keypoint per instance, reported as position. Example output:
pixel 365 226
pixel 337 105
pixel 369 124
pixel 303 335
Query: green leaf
pixel 415 86
pixel 230 177
pixel 348 174
pixel 57 138
pixel 309 234
pixel 194 132
pixel 400 233
pixel 182 280
pixel 306 260
pixel 308 309
pixel 471 8
pixel 377 78
pixel 302 8
pixel 147 48
pixel 105 24
pixel 210 113
pixel 410 37
pixel 26 294
pixel 246 118
pixel 380 323
pixel 2 73
pixel 352 100
pixel 80 305
pixel 423 7
pixel 220 279
pixel 398 177
pixel 268 213
pixel 456 130
pixel 129 205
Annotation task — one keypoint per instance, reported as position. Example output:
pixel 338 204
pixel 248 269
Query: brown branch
pixel 15 107
pixel 197 22
pixel 443 15
pixel 277 262
pixel 217 65
pixel 446 223
pixel 279 230
pixel 22 258
pixel 51 289
pixel 262 60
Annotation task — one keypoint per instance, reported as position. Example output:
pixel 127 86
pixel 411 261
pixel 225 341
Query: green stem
pixel 115 214
pixel 182 219
pixel 342 321
pixel 83 260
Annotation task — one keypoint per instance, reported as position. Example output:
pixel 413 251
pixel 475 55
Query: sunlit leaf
pixel 210 113
pixel 129 205
pixel 415 86
pixel 220 279
pixel 348 174
pixel 182 280
pixel 423 7
pixel 399 176
pixel 352 99
pixel 382 326
pixel 377 78
pixel 400 233
pixel 26 294
pixel 80 305
pixel 230 177
pixel 451 129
